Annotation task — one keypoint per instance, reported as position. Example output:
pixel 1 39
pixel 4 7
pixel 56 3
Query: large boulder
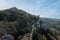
pixel 7 37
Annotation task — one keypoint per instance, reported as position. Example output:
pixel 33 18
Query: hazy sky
pixel 44 8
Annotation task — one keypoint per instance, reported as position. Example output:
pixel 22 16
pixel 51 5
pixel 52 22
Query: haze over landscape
pixel 44 8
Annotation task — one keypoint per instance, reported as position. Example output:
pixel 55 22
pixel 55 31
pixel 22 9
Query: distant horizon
pixel 44 8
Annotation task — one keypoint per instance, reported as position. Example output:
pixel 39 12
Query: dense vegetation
pixel 18 23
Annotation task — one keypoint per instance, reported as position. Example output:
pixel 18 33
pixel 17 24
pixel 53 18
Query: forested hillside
pixel 22 25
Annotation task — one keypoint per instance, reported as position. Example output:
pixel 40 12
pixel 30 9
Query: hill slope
pixel 19 24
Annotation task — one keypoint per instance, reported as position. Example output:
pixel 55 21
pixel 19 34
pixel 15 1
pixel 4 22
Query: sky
pixel 43 8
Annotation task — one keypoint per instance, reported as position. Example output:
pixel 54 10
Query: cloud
pixel 44 8
pixel 49 8
pixel 4 4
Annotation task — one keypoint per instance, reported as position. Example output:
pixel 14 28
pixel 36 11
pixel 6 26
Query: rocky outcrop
pixel 7 37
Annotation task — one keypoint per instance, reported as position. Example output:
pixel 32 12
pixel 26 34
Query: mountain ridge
pixel 18 22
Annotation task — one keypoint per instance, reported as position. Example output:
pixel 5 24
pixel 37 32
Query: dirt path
pixel 29 35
